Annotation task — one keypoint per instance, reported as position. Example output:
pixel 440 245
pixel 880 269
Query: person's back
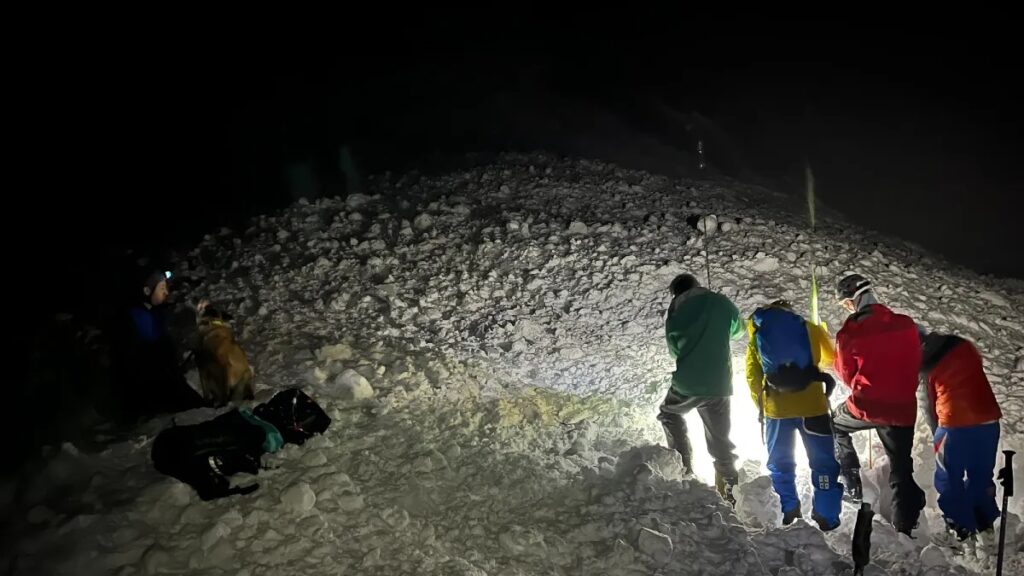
pixel 698 329
pixel 784 356
pixel 959 391
pixel 808 402
pixel 964 417
pixel 878 355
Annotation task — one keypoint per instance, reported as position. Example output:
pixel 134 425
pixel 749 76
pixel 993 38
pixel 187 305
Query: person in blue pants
pixel 784 356
pixel 964 416
pixel 816 434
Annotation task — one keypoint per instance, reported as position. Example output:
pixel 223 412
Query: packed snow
pixel 489 345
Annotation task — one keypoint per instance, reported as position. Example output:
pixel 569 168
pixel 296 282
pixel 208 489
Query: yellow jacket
pixel 804 404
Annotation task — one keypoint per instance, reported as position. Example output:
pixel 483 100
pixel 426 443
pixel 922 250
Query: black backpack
pixel 296 416
pixel 790 378
pixel 205 455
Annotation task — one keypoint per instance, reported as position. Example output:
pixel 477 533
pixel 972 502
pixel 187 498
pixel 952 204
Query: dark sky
pixel 152 136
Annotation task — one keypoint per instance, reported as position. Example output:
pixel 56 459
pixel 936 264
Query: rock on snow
pixel 351 385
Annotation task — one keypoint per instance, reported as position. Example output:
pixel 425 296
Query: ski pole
pixel 1006 480
pixel 810 214
pixel 862 539
pixel 707 251
pixel 871 449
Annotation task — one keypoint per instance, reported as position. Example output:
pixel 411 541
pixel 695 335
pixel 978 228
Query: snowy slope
pixel 509 321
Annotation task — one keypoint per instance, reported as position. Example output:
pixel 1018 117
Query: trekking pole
pixel 871 449
pixel 862 539
pixel 707 251
pixel 1006 480
pixel 815 317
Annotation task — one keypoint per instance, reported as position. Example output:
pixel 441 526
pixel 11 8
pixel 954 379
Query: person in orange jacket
pixel 964 417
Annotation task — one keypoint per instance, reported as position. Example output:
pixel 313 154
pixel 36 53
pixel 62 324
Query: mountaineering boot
pixel 969 547
pixel 854 489
pixel 822 523
pixel 678 439
pixel 906 522
pixel 953 537
pixel 790 516
pixel 725 484
pixel 986 547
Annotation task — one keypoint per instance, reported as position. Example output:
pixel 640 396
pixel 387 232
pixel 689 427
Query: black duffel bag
pixel 205 455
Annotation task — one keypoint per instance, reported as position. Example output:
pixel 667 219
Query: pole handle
pixel 1006 473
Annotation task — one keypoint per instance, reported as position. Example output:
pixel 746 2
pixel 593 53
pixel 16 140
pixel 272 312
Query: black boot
pixel 791 516
pixel 724 483
pixel 907 521
pixel 677 438
pixel 823 524
pixel 854 489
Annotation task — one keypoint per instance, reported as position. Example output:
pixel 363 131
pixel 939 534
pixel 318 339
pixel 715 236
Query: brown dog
pixel 224 370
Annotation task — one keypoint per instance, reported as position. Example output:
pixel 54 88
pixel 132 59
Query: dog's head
pixel 208 314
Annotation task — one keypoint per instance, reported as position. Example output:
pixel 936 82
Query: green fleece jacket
pixel 698 328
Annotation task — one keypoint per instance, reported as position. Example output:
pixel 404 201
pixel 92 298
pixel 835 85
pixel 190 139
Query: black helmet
pixel 852 286
pixel 683 283
pixel 154 278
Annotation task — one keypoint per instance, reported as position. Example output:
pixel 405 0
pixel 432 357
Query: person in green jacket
pixel 698 328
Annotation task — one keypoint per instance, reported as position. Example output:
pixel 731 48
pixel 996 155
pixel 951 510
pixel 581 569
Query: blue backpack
pixel 785 349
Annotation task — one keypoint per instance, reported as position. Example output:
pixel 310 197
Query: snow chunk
pixel 994 298
pixel 708 224
pixel 318 375
pixel 340 351
pixel 214 534
pixel 156 561
pixel 396 518
pixel 423 222
pixel 660 460
pixel 578 227
pixel 351 502
pixel 766 264
pixel 656 545
pixel 299 498
pixel 372 558
pixel 757 504
pixel 932 556
pixel 351 385
pixel 356 201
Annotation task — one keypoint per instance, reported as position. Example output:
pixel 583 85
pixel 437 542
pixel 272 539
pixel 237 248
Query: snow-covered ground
pixel 507 321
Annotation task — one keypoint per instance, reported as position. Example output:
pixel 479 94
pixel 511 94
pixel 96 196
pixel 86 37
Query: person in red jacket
pixel 878 356
pixel 964 417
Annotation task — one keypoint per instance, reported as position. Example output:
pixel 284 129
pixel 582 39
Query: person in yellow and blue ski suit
pixel 784 356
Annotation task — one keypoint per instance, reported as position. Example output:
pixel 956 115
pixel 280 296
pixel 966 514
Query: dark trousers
pixel 714 411
pixel 907 497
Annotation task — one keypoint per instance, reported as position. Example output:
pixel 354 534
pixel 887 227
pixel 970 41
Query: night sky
pixel 151 137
